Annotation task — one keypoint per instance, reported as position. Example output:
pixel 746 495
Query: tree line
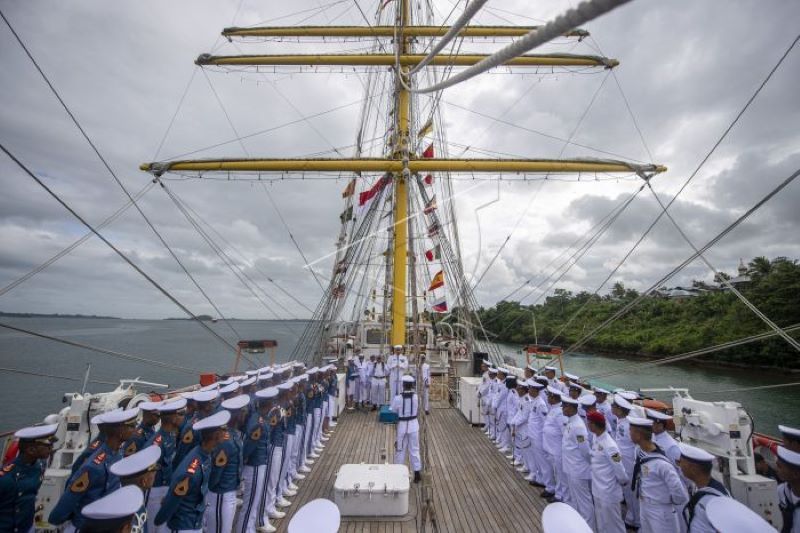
pixel 663 324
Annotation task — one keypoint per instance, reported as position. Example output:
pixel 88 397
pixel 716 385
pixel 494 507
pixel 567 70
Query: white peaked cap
pixel 788 456
pixel 140 461
pixel 233 387
pixel 535 384
pixel 657 415
pixel 119 417
pixel 694 453
pixel 122 502
pixel 170 406
pixel 285 386
pixel 407 379
pixel 550 369
pixel 571 376
pixel 568 400
pixel 237 402
pixel 622 402
pixel 730 516
pixel 247 382
pixel 553 390
pixel 398 346
pixel 640 422
pixel 205 396
pixel 266 394
pixel 148 406
pixel 213 386
pixel 587 400
pixel 601 390
pixel 792 432
pixel 317 516
pixel 217 420
pixel 561 518
pixel 36 432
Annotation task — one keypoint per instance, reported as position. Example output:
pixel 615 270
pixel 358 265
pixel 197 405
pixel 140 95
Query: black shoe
pixel 427 412
pixel 417 476
pixel 536 484
pixel 545 494
pixel 629 527
pixel 553 499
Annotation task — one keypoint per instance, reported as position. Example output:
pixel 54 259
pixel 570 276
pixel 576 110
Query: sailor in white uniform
pixel 604 406
pixel 518 421
pixel 398 364
pixel 424 379
pixel 500 409
pixel 655 481
pixel 791 438
pixel 608 476
pixel 361 391
pixel 577 460
pixel 621 407
pixel 553 434
pixel 368 369
pixel 789 491
pixel 536 417
pixel 406 405
pixel 487 397
pixel 114 513
pixel 696 465
pixel 380 371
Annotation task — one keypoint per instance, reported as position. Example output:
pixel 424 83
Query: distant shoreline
pixel 201 317
pixel 54 315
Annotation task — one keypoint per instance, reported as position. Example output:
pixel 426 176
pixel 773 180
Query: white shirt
pixel 536 417
pixel 379 369
pixel 406 406
pixel 608 472
pixel 659 482
pixel 700 523
pixel 623 439
pixel 519 418
pixel 397 362
pixel 554 429
pixel 575 449
pixel 424 374
pixel 785 495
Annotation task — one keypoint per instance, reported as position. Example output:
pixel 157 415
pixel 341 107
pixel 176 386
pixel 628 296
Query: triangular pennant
pixel 428 153
pixel 434 253
pixel 350 189
pixel 437 281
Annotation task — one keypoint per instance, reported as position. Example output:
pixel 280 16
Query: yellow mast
pixel 400 252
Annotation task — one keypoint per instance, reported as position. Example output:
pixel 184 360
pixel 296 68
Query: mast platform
pixel 475 489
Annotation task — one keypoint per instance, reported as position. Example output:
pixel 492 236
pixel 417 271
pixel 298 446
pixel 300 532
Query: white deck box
pixel 468 399
pixel 372 490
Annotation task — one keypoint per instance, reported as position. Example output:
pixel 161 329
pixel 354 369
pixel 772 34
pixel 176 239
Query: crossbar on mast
pixel 464 60
pixel 396 165
pixel 385 31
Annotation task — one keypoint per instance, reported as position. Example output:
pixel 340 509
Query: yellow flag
pixel 426 129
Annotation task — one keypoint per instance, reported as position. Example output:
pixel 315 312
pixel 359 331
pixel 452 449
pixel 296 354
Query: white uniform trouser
pixel 270 495
pixel 658 517
pixel 540 460
pixel 307 437
pixel 253 478
pixel 631 503
pixel 153 505
pixel 525 446
pixel 408 442
pixel 220 512
pixel 608 515
pixel 294 452
pixel 556 483
pixel 363 390
pixel 580 497
pixel 332 405
pixel 286 459
pixel 378 391
pixel 426 398
pixel 394 384
pixel 317 436
pixel 503 436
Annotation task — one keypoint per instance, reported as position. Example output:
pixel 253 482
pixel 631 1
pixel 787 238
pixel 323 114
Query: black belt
pixel 407 418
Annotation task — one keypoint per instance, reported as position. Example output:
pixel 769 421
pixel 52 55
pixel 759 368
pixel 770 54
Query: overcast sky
pixel 686 69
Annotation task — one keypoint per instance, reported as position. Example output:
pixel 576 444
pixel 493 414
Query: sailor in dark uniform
pixel 172 413
pixel 146 429
pixel 93 480
pixel 185 503
pixel 113 513
pixel 789 490
pixel 21 478
pixel 139 470
pixel 256 449
pixel 93 445
pixel 696 465
pixel 226 469
pixel 205 402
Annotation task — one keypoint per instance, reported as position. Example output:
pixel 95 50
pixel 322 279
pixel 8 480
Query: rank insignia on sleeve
pixel 256 433
pixel 580 438
pixel 100 458
pixel 616 457
pixel 80 484
pixel 273 421
pixel 188 437
pixel 221 459
pixel 94 445
pixel 192 468
pixel 182 488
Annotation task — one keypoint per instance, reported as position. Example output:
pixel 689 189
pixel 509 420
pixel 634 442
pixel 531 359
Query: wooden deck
pixel 474 488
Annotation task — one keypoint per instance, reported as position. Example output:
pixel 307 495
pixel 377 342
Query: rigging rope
pixel 53 376
pixel 744 389
pixel 583 13
pixel 635 367
pixel 687 261
pixel 116 250
pixel 120 355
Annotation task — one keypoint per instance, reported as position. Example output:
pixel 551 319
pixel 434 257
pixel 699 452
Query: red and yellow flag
pixel 437 281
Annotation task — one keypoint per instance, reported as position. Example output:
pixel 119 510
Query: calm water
pixel 29 398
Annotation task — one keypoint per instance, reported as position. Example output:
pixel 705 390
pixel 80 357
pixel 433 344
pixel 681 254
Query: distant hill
pixel 52 315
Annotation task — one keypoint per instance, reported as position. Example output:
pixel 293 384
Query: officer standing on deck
pixel 406 405
pixel 378 377
pixel 93 480
pixel 620 408
pixel 226 468
pixel 398 364
pixel 138 469
pixel 553 433
pixel 577 460
pixel 146 429
pixel 789 491
pixel 696 465
pixel 424 379
pixel 172 417
pixel 608 476
pixel 655 481
pixel 21 478
pixel 185 502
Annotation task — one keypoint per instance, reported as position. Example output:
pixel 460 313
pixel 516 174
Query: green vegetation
pixel 661 325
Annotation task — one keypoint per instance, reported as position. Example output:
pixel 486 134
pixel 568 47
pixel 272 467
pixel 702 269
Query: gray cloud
pixel 686 69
